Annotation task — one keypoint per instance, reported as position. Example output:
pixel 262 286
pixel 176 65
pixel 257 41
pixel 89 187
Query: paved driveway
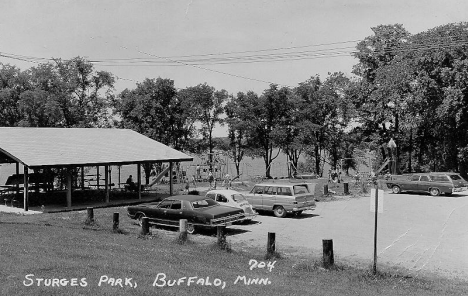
pixel 417 232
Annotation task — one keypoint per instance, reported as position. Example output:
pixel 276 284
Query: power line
pixel 224 58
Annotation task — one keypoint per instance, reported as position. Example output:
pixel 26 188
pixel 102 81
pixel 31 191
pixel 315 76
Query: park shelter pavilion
pixel 37 149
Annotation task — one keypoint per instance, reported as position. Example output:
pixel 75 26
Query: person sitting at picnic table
pixel 131 184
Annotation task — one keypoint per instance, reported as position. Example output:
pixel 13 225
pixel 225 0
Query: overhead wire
pixel 237 57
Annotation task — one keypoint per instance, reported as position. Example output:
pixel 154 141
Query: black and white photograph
pixel 262 147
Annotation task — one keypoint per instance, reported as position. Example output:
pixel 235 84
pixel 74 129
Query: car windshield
pixel 203 203
pixel 238 197
pixel 455 177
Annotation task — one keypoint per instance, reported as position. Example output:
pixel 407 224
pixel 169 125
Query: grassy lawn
pixel 59 246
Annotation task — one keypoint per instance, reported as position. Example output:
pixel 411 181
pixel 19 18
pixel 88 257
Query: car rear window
pixel 238 197
pixel 203 203
pixel 300 189
pixel 455 177
pixel 440 178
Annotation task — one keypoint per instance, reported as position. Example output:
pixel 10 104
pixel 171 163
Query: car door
pixel 411 184
pixel 174 213
pixel 424 183
pixel 269 197
pixel 284 197
pixel 255 196
pixel 160 213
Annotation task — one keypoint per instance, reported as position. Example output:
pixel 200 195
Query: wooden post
pixel 328 258
pixel 90 215
pixel 171 189
pixel 69 187
pixel 325 189
pixel 26 188
pixel 144 226
pixel 271 244
pixel 115 224
pixel 106 183
pixel 182 230
pixel 221 235
pixel 346 188
pixel 139 180
pixel 82 178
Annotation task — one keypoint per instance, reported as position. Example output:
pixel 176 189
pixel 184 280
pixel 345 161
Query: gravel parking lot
pixel 419 233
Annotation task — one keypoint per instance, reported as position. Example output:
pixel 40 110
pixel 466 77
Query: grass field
pixel 73 258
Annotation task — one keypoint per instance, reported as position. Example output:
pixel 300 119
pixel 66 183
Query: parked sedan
pixel 199 211
pixel 232 198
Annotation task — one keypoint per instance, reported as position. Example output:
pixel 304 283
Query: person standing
pixel 210 179
pixel 198 169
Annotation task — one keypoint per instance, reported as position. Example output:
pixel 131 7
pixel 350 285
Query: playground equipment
pixel 158 177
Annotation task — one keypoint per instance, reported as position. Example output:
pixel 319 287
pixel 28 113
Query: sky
pixel 254 42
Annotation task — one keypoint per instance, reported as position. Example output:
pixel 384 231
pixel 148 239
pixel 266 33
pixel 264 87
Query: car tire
pixel 396 189
pixel 434 191
pixel 279 212
pixel 190 228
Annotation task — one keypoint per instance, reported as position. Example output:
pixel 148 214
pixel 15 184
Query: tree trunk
pixel 317 160
pixel 410 151
pixel 147 168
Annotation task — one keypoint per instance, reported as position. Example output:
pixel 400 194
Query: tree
pixel 155 110
pixel 439 59
pixel 264 115
pixel 384 83
pixel 83 94
pixel 12 83
pixel 237 121
pixel 208 106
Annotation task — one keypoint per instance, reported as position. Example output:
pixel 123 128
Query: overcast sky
pixel 323 32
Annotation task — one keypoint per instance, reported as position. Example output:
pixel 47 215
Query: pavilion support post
pixel 171 186
pixel 106 182
pixel 139 180
pixel 97 177
pixel 69 187
pixel 82 178
pixel 119 174
pixel 36 184
pixel 17 184
pixel 26 189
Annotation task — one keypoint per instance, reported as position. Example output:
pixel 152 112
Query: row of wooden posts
pixel 327 244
